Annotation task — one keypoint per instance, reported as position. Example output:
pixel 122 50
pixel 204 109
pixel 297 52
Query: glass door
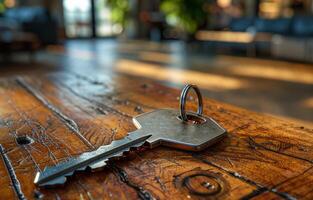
pixel 104 25
pixel 77 17
pixel 88 18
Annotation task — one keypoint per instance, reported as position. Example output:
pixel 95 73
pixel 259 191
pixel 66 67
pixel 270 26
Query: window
pixel 78 19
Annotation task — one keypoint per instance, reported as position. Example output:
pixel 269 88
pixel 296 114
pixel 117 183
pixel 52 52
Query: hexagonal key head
pixel 168 130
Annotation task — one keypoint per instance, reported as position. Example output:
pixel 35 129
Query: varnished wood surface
pixel 70 113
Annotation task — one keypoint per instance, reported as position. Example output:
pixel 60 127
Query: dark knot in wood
pixel 203 183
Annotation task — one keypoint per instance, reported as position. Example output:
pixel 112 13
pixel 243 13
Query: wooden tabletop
pixel 63 115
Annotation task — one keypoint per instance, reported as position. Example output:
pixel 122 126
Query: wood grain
pixel 66 113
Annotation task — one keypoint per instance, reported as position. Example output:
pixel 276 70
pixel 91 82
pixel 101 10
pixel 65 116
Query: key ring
pixel 183 99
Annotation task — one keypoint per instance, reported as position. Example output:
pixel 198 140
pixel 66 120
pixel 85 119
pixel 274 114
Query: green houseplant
pixel 186 15
pixel 119 11
pixel 2 7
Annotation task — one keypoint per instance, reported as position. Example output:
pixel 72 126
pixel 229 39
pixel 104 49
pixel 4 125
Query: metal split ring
pixel 183 99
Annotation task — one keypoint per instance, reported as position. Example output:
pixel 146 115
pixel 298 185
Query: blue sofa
pixel 36 20
pixel 287 38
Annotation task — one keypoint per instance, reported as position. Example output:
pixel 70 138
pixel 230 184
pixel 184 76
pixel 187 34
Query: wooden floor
pixel 278 88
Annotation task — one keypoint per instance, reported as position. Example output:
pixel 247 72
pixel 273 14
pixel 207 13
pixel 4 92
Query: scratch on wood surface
pixel 254 193
pixel 97 103
pixel 13 177
pixel 71 124
pixel 160 182
pixel 138 106
pixel 230 162
pixel 244 126
pixel 255 145
pixel 142 193
pixel 292 178
pixel 114 132
pixel 33 160
pixel 90 197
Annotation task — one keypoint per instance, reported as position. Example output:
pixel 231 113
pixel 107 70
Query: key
pixel 177 129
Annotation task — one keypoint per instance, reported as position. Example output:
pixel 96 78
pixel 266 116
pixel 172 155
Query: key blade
pixel 56 175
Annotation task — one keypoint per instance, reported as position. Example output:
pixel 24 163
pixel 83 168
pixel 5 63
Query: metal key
pixel 172 128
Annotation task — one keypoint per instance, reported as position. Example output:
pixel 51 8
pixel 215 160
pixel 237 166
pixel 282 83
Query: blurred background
pixel 256 54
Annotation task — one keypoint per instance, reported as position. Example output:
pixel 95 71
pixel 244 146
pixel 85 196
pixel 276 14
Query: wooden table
pixel 67 114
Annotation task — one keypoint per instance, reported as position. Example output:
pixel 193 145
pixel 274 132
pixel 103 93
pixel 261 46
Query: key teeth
pixel 98 166
pixel 81 169
pixel 70 173
pixel 55 182
pixel 94 167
